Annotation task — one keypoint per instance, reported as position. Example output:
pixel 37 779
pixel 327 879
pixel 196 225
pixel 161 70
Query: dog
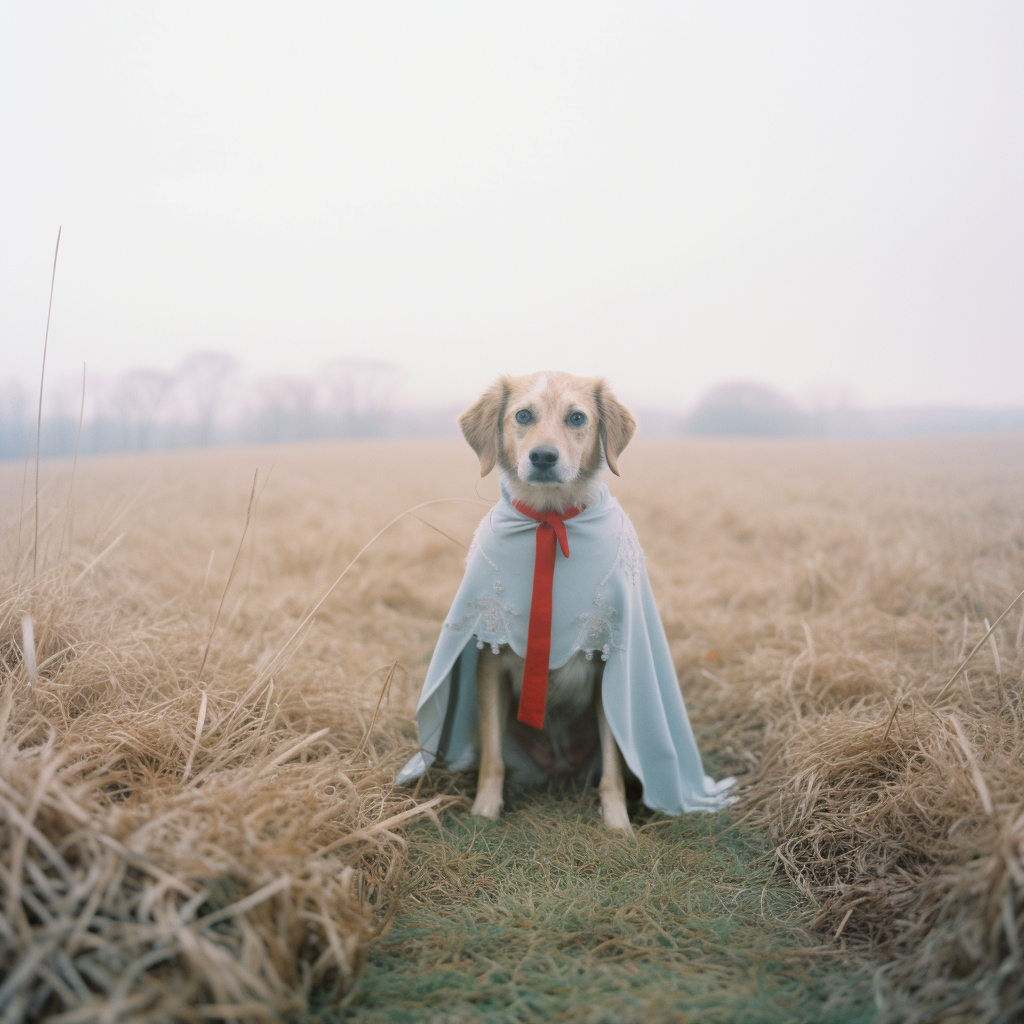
pixel 551 435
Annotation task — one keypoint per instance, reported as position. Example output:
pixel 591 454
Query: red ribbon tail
pixel 534 695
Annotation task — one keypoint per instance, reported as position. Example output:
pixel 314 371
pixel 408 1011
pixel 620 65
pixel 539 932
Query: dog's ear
pixel 481 424
pixel 617 425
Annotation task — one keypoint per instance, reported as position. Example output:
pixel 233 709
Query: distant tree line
pixel 753 410
pixel 208 401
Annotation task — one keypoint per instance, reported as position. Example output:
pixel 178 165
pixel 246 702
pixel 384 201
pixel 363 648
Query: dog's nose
pixel 544 456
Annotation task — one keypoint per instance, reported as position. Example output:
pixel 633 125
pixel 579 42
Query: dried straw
pixel 836 590
pixel 817 598
pixel 172 851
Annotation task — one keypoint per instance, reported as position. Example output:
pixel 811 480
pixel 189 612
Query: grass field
pixel 198 814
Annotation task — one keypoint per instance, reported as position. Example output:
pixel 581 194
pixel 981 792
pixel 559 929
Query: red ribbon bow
pixel 550 528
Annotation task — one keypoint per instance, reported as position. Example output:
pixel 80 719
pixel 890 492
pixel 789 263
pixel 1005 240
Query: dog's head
pixel 551 434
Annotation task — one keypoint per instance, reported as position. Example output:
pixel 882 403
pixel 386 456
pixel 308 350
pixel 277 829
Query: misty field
pixel 197 812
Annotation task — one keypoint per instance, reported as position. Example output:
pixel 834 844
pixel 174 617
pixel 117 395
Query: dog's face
pixel 549 429
pixel 551 433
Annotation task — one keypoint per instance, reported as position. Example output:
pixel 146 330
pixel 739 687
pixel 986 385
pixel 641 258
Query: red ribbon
pixel 550 529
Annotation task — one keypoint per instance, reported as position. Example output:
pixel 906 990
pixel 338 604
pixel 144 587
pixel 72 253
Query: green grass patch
pixel 545 915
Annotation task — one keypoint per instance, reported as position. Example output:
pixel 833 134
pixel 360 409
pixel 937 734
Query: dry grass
pixel 829 593
pixel 176 846
pixel 817 597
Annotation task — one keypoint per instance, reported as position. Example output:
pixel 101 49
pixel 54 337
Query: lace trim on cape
pixel 628 553
pixel 490 620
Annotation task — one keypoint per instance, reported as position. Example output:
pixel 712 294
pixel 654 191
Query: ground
pixel 250 683
pixel 545 915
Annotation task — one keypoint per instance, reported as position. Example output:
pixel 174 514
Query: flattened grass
pixel 545 915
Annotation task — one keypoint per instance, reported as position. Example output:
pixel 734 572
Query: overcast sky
pixel 826 197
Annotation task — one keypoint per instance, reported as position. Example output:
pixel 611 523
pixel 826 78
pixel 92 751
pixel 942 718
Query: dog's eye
pixel 577 419
pixel 524 416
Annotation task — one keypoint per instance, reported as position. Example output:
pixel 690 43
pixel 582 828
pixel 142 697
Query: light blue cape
pixel 603 605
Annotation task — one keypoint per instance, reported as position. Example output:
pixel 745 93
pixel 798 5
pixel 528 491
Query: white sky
pixel 816 196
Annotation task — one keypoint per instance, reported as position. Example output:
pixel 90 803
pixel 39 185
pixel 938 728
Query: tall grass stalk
pixel 39 418
pixel 249 512
pixel 977 647
pixel 330 590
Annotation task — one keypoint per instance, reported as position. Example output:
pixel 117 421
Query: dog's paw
pixel 487 805
pixel 615 817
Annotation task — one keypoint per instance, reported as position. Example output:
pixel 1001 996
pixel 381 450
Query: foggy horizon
pixel 211 400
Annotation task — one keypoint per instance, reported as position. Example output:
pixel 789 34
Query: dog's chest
pixel 569 739
pixel 571 688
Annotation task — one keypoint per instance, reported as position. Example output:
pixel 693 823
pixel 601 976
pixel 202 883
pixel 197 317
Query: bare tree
pixel 286 410
pixel 360 393
pixel 137 401
pixel 202 378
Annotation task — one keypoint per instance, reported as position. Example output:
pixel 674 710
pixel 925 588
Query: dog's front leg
pixel 612 787
pixel 492 694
